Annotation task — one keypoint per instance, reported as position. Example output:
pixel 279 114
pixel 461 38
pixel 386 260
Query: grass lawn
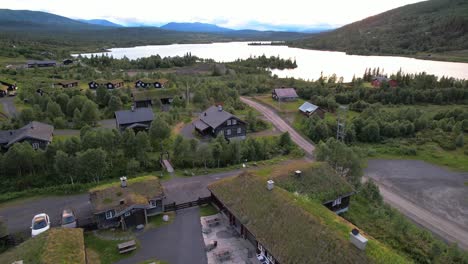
pixel 157 220
pixel 430 152
pixel 106 249
pixel 280 107
pixel 207 210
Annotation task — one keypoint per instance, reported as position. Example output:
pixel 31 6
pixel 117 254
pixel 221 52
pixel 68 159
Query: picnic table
pixel 213 222
pixel 223 255
pixel 127 246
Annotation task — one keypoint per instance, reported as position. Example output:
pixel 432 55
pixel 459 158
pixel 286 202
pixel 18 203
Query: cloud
pixel 236 14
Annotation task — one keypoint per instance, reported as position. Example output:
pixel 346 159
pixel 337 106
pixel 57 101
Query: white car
pixel 40 224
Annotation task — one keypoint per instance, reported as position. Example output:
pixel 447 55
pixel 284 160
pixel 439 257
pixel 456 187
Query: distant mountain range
pixel 195 27
pixel 100 22
pixel 423 28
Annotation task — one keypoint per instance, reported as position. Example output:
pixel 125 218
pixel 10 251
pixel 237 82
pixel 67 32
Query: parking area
pixel 223 243
pixel 180 242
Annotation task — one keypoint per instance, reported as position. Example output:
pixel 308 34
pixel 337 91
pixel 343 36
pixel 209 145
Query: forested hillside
pixel 428 27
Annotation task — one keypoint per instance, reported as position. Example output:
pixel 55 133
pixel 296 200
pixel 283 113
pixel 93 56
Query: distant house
pixel 38 63
pixel 145 83
pixel 284 94
pixel 68 84
pixel 215 121
pixel 94 84
pixel 277 225
pixel 108 84
pixel 67 61
pixel 379 80
pixel 127 203
pixel 6 87
pixel 39 135
pixel 149 98
pixel 114 84
pixel 10 86
pixel 137 119
pixel 309 109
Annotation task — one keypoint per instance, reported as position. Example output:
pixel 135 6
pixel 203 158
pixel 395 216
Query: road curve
pixel 278 122
pixel 441 227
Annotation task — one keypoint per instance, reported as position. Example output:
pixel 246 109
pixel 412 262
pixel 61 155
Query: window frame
pixel 111 213
pixel 234 122
pixel 228 132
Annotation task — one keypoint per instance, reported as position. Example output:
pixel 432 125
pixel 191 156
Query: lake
pixel 311 63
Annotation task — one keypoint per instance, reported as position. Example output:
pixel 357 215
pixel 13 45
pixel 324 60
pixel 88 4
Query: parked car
pixel 40 224
pixel 69 219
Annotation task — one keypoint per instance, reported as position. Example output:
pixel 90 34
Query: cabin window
pixel 110 214
pixel 229 122
pixel 337 202
pixel 153 203
pixel 234 122
pixel 228 132
pixel 35 145
pixel 239 130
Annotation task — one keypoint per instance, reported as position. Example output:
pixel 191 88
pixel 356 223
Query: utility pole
pixel 341 115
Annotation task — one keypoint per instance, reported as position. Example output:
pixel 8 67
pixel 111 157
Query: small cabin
pixel 67 62
pixel 38 63
pixel 309 109
pixel 284 94
pixel 378 81
pixel 138 119
pixel 68 84
pixel 114 84
pixel 145 83
pixel 215 121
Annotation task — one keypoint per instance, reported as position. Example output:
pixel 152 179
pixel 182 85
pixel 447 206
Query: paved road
pixel 9 106
pixel 432 196
pixel 278 122
pixel 19 214
pixel 180 242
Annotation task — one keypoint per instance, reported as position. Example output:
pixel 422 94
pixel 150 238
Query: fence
pixel 198 202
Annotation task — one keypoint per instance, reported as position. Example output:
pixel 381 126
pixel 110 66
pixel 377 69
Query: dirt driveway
pixel 430 195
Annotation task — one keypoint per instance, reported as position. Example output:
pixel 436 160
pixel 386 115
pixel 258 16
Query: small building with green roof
pixel 127 203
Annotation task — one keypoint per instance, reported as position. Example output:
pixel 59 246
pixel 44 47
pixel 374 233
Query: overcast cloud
pixel 233 14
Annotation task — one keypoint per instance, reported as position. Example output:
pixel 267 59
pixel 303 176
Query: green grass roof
pixel 138 191
pixel 58 245
pixel 285 229
pixel 318 181
pixel 155 94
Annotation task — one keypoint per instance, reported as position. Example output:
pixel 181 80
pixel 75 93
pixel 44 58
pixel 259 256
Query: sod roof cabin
pixel 148 98
pixel 68 83
pixel 278 226
pixel 128 202
pixel 318 181
pixel 57 245
pixel 149 83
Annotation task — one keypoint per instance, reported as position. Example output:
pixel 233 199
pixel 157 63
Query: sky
pixel 233 14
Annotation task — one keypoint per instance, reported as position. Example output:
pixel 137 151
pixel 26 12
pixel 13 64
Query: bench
pixel 127 246
pixel 213 222
pixel 223 255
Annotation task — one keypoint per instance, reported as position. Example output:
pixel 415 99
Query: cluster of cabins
pixel 289 95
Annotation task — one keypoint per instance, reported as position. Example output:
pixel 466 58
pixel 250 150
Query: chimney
pixel 123 182
pixel 205 113
pixel 122 202
pixel 133 108
pixel 220 108
pixel 270 185
pixel 357 239
pixel 298 173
